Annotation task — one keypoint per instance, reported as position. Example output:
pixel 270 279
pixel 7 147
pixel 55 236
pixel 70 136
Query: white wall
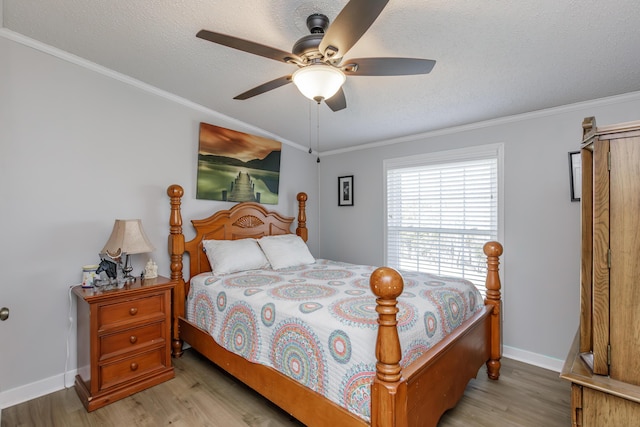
pixel 78 149
pixel 541 263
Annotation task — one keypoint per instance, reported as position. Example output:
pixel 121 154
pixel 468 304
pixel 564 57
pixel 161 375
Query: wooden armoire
pixel 603 364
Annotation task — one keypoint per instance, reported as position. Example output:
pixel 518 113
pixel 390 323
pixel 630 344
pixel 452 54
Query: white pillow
pixel 231 256
pixel 286 250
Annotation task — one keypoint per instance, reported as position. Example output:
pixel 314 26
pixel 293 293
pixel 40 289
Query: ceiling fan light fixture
pixel 318 81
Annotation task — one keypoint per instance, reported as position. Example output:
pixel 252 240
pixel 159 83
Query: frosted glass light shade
pixel 318 81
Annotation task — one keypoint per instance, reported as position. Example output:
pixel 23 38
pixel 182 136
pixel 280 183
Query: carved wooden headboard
pixel 243 220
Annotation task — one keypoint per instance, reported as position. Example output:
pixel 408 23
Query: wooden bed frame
pixel 417 395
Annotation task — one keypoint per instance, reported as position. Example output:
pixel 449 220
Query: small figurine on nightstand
pixel 110 268
pixel 151 270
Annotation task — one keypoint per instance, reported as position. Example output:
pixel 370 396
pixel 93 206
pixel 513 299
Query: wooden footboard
pixel 420 393
pixel 414 396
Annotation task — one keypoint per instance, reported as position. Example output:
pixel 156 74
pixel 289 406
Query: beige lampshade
pixel 127 237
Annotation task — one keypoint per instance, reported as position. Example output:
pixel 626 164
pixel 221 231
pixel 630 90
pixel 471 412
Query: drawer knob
pixel 133 339
pixel 133 366
pixel 133 311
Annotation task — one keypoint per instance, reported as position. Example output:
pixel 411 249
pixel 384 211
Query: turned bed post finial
pixel 176 250
pixel 493 250
pixel 301 230
pixel 387 284
pixel 387 390
pixel 176 238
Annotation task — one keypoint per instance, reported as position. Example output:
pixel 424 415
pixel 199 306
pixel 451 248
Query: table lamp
pixel 127 238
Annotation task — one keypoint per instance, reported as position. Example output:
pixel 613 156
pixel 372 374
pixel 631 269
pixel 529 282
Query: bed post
pixel 387 391
pixel 176 250
pixel 301 230
pixel 493 250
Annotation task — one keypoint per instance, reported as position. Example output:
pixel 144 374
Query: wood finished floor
pixel 203 395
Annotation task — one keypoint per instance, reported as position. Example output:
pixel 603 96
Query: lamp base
pixel 127 269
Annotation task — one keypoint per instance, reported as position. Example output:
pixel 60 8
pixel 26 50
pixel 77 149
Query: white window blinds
pixel 441 212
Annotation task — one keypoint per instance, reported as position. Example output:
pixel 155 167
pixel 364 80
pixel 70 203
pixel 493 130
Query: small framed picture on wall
pixel 575 175
pixel 345 190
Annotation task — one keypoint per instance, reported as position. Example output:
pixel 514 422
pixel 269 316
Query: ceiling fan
pixel 319 55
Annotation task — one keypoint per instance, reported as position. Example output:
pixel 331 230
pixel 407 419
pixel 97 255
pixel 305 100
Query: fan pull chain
pixel 318 132
pixel 310 131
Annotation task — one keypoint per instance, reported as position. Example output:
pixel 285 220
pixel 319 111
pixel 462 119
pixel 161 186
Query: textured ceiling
pixel 494 58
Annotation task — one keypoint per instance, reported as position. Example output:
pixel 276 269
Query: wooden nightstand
pixel 124 340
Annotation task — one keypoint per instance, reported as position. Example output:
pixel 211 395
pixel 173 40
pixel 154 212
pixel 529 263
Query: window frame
pixel 495 150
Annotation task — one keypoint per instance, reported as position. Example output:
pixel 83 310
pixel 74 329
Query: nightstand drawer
pixel 131 339
pixel 112 315
pixel 128 369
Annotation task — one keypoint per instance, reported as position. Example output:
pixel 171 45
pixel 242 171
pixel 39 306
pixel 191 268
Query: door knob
pixel 4 313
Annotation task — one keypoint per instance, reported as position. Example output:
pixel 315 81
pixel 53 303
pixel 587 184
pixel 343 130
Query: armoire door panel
pixel 600 258
pixel 625 260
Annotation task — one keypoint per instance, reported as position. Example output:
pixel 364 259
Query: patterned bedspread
pixel 317 323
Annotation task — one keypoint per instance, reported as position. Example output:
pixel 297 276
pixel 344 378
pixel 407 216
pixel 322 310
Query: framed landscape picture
pixel 237 167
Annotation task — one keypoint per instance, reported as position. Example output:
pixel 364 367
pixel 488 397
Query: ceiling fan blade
pixel 387 66
pixel 265 87
pixel 337 102
pixel 350 24
pixel 249 46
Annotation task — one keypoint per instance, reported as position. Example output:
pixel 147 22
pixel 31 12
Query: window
pixel 441 208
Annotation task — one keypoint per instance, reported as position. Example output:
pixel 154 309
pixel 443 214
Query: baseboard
pixel 535 359
pixel 36 389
